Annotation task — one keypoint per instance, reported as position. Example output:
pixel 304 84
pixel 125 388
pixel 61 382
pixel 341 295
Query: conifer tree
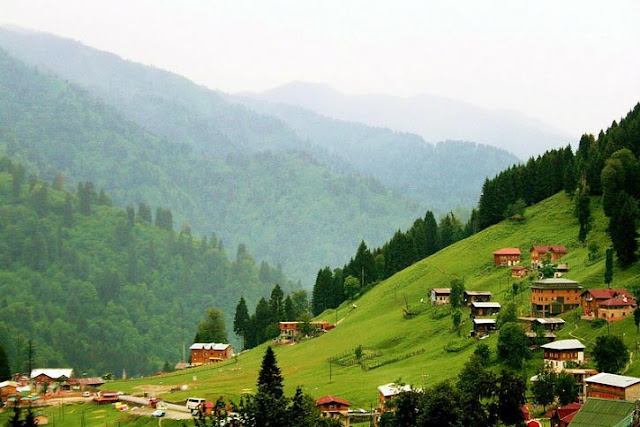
pixel 241 320
pixel 5 370
pixel 270 402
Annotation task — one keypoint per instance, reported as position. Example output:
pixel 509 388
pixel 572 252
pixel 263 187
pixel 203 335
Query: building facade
pixel 612 386
pixel 558 353
pixel 205 353
pixel 550 297
pixel 506 256
pixel 440 296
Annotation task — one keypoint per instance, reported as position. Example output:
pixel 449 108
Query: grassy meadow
pixel 421 349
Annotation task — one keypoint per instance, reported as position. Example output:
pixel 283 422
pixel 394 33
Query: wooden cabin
pixel 387 392
pixel 334 408
pixel 539 253
pixel 506 256
pixel 482 327
pixel 292 330
pixel 592 299
pixel 476 296
pixel 440 296
pixel 520 272
pixel 612 386
pixel 205 353
pixel 558 353
pixel 480 309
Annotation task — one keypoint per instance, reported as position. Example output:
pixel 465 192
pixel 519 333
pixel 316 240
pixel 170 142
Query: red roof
pixel 567 412
pixel 614 302
pixel 554 248
pixel 609 293
pixel 325 400
pixel 507 251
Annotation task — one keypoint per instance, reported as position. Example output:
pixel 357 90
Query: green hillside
pixel 414 349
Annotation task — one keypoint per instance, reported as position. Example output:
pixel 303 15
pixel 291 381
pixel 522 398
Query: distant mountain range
pixel 432 117
pixel 299 189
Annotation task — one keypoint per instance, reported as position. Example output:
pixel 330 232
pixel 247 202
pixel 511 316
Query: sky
pixel 572 64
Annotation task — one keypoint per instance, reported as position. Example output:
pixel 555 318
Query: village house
pixel 539 253
pixel 480 309
pixel 558 353
pixel 51 375
pixel 387 392
pixel 580 374
pixel 8 389
pixel 476 296
pixel 549 323
pixel 292 330
pixel 506 256
pixel 618 303
pixel 562 416
pixel 605 412
pixel 440 296
pixel 612 386
pixel 334 408
pixel 519 271
pixel 554 296
pixel 91 383
pixel 205 353
pixel 482 327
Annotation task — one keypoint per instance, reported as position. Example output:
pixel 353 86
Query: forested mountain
pixel 102 289
pixel 441 176
pixel 286 206
pixel 432 117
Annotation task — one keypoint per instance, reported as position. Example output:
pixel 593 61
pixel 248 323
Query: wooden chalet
pixel 8 389
pixel 83 384
pixel 482 327
pixel 609 304
pixel 476 296
pixel 539 253
pixel 387 392
pixel 291 330
pixel 612 386
pixel 335 408
pixel 205 353
pixel 558 353
pixel 480 309
pixel 506 256
pixel 51 375
pixel 440 296
pixel 554 296
pixel 520 271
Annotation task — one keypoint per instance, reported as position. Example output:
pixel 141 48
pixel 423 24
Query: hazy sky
pixel 573 64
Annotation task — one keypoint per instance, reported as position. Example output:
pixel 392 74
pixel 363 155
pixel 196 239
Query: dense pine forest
pixel 103 289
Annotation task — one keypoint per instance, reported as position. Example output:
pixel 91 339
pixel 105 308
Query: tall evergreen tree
pixel 241 320
pixel 270 402
pixel 276 304
pixel 623 230
pixel 583 212
pixel 5 370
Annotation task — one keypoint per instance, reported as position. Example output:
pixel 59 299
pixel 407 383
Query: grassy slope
pixel 378 324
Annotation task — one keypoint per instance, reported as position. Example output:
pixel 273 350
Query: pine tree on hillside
pixel 270 402
pixel 242 321
pixel 623 230
pixel 5 370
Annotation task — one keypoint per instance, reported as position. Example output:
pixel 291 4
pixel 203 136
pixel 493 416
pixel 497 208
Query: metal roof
pixel 484 321
pixel 208 346
pixel 571 344
pixel 393 389
pixel 556 281
pixel 598 412
pixel 549 320
pixel 478 293
pixel 53 373
pixel 613 380
pixel 479 304
pixel 442 290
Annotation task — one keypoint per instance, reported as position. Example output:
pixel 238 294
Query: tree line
pixel 605 166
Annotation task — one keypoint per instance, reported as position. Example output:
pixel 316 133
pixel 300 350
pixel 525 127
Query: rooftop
pixel 324 400
pixel 507 251
pixel 613 380
pixel 53 373
pixel 556 281
pixel 549 320
pixel 479 304
pixel 571 344
pixel 208 346
pixel 607 293
pixel 484 321
pixel 442 290
pixel 393 389
pixel 478 293
pixel 618 302
pixel 597 412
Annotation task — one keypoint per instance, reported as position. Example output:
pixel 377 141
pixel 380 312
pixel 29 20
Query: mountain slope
pixel 442 176
pixel 288 208
pixel 414 349
pixel 434 118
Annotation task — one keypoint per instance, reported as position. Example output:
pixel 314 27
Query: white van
pixel 193 402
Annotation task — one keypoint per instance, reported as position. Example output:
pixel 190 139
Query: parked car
pixel 194 402
pixel 158 413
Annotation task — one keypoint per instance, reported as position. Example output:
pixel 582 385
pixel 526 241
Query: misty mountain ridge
pixel 433 117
